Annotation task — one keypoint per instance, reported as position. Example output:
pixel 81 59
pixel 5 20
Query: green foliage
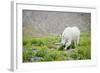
pixel 47 50
pixel 27 54
pixel 55 55
pixel 61 47
pixel 45 54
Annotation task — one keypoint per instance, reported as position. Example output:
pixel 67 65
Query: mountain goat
pixel 70 36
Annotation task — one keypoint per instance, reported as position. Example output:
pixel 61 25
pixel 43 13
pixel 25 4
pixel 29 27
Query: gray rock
pixel 35 50
pixel 36 59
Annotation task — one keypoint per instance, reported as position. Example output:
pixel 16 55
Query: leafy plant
pixel 48 50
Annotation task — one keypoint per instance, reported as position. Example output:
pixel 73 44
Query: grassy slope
pixel 47 50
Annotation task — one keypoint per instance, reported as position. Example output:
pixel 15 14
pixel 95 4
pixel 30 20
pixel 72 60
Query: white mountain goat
pixel 70 36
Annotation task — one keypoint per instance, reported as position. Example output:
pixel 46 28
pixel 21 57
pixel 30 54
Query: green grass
pixel 48 50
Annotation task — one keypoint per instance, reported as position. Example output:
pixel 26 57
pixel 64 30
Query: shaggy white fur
pixel 70 35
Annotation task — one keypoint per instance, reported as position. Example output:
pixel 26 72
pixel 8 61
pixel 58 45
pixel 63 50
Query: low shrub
pixel 49 51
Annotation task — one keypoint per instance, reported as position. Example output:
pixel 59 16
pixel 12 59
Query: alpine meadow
pixel 42 35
